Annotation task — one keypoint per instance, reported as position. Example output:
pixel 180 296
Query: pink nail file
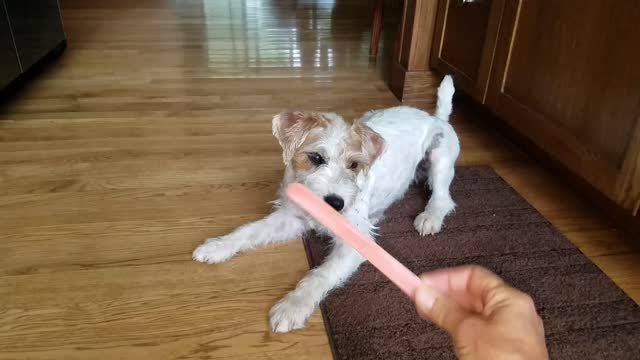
pixel 327 216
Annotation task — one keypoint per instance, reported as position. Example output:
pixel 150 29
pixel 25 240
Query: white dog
pixel 360 170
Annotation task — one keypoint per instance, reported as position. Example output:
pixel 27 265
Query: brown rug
pixel 586 315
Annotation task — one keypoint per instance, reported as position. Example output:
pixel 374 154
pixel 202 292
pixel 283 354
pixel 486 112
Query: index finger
pixel 468 285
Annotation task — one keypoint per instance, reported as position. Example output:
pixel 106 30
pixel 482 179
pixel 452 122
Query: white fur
pixel 408 134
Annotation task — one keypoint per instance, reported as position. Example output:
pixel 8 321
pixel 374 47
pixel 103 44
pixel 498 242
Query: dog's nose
pixel 335 201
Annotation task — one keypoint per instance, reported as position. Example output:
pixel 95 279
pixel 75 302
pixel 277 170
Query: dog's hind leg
pixel 440 204
pixel 281 225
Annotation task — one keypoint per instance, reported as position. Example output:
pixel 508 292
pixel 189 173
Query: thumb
pixel 440 309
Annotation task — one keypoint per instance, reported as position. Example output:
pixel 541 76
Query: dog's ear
pixel 372 142
pixel 292 128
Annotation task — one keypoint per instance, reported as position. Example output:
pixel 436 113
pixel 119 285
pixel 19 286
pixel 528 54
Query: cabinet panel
pixel 37 28
pixel 464 42
pixel 569 80
pixel 582 70
pixel 9 65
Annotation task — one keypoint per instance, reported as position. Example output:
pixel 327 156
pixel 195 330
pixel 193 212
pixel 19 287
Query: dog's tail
pixel 445 98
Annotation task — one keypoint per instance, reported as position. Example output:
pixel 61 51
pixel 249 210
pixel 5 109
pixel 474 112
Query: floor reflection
pixel 266 34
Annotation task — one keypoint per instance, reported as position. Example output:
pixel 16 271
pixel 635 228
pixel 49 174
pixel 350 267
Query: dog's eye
pixel 354 165
pixel 316 158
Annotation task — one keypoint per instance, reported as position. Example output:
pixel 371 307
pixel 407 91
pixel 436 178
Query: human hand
pixel 486 318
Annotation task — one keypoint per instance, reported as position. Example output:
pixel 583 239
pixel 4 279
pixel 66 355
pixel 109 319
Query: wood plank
pixel 629 194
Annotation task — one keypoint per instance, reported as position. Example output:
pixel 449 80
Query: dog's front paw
pixel 214 250
pixel 427 223
pixel 290 313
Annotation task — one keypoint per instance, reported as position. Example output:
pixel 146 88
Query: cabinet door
pixel 566 75
pixel 9 65
pixel 464 42
pixel 37 28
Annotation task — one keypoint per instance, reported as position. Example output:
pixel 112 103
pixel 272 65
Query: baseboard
pixel 413 87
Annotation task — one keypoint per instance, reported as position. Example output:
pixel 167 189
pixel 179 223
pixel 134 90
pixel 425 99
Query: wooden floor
pixel 153 133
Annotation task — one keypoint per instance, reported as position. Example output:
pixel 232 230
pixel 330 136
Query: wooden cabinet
pixel 9 65
pixel 36 28
pixel 29 32
pixel 464 42
pixel 565 74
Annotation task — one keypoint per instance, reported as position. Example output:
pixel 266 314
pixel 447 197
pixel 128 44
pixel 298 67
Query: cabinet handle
pixel 465 2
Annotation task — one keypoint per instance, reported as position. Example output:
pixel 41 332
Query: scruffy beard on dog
pixel 359 169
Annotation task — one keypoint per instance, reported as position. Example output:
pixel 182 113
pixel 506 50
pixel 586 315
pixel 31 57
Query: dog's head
pixel 326 154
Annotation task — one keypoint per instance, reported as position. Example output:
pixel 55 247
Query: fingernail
pixel 426 296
